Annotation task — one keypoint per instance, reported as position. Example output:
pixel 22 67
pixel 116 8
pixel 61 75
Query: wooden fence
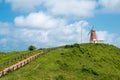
pixel 19 64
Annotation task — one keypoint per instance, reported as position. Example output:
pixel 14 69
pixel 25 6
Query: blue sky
pixel 49 23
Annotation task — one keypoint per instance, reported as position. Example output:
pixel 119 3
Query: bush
pixel 31 48
pixel 62 65
pixel 76 45
pixel 89 70
pixel 60 77
pixel 86 69
pixel 68 46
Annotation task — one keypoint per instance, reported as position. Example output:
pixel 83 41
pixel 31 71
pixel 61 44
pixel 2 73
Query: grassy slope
pixel 7 59
pixel 84 62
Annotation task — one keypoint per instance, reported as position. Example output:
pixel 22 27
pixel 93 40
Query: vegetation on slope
pixel 73 62
pixel 9 58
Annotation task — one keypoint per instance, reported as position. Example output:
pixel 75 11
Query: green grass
pixel 72 62
pixel 9 58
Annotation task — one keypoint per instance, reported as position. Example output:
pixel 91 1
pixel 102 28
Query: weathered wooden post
pixel 1 73
pixel 5 71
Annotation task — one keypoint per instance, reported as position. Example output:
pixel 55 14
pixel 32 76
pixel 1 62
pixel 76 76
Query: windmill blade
pixel 89 32
pixel 92 27
pixel 89 27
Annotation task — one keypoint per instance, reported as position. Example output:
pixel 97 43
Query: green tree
pixel 31 48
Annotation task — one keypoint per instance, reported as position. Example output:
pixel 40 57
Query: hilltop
pixel 72 62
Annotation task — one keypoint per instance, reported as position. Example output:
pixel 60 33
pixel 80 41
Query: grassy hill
pixel 72 62
pixel 9 58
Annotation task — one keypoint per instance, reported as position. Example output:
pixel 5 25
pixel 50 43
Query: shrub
pixel 89 70
pixel 60 77
pixel 62 65
pixel 94 72
pixel 61 54
pixel 86 69
pixel 68 46
pixel 76 45
pixel 31 48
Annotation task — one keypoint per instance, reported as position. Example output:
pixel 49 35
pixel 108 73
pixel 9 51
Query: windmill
pixel 81 34
pixel 92 33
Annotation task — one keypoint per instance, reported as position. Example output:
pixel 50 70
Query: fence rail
pixel 19 64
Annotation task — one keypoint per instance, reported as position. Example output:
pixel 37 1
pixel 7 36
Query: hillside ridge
pixel 73 62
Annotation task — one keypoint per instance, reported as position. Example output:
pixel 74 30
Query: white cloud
pixel 45 28
pixel 117 41
pixel 31 35
pixel 3 41
pixel 79 8
pixel 69 33
pixel 64 34
pixel 74 8
pixel 4 28
pixel 21 38
pixel 24 5
pixel 110 38
pixel 110 6
pixel 38 20
pixel 105 36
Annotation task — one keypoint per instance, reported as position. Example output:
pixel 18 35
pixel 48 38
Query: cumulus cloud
pixel 4 28
pixel 38 20
pixel 105 36
pixel 69 33
pixel 65 34
pixel 79 8
pixel 31 35
pixel 21 38
pixel 48 28
pixel 5 35
pixel 3 41
pixel 74 8
pixel 110 6
pixel 24 5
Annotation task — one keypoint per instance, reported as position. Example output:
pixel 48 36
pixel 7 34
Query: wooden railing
pixel 19 64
